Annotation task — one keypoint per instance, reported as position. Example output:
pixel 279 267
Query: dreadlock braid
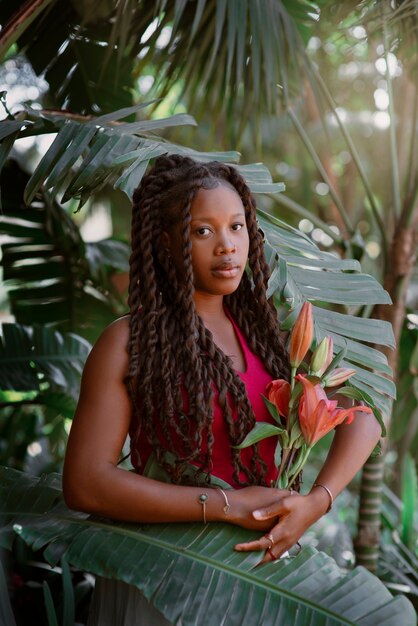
pixel 170 349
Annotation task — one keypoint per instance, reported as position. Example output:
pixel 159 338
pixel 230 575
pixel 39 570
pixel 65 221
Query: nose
pixel 225 244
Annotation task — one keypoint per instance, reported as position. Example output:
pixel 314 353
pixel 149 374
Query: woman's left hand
pixel 296 513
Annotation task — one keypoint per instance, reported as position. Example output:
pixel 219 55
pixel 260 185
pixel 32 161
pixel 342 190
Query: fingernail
pixel 257 514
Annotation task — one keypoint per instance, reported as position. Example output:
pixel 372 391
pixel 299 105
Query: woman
pixel 184 374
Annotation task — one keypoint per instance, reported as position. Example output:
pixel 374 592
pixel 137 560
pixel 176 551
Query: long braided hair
pixel 172 355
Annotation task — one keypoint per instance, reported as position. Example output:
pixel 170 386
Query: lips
pixel 226 270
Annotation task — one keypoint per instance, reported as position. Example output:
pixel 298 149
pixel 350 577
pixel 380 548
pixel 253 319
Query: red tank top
pixel 255 377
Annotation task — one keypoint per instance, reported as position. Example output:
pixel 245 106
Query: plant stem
pixel 321 169
pixel 285 454
pixel 293 206
pixel 290 460
pixel 299 465
pixel 356 158
pixel 292 378
pixel 394 165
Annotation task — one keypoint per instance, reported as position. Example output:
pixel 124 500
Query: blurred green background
pixel 324 94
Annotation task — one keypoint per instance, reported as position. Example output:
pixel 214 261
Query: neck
pixel 208 307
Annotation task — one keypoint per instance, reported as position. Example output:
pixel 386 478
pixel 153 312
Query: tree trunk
pixel 367 541
pixel 398 273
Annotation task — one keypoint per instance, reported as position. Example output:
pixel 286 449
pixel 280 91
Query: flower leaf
pixel 272 408
pixel 261 430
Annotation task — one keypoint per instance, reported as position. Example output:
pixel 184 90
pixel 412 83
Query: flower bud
pixel 301 337
pixel 278 392
pixel 322 357
pixel 338 376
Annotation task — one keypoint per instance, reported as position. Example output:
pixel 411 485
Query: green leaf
pixel 409 501
pixel 19 23
pixel 49 605
pixel 300 272
pixel 6 612
pixel 107 253
pixel 50 158
pixel 31 356
pixel 121 113
pixel 261 430
pixel 68 617
pixel 228 587
pixel 358 394
pixel 9 127
pixel 272 410
pixel 146 126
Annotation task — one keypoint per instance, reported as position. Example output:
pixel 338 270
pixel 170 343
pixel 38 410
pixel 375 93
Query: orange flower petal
pixel 301 337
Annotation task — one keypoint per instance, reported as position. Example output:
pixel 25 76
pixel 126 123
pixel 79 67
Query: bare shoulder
pixel 116 333
pixel 110 352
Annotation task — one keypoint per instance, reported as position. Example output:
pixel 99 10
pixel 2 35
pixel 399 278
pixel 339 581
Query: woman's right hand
pixel 244 501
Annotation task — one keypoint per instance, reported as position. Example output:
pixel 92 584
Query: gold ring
pixel 270 538
pixel 273 556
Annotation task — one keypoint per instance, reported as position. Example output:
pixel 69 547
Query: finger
pixel 251 546
pixel 274 510
pixel 274 553
pixel 264 543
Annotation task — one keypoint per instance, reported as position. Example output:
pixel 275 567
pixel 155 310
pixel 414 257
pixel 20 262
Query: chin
pixel 221 290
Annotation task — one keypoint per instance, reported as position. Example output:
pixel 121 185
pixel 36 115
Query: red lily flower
pixel 318 415
pixel 278 392
pixel 301 337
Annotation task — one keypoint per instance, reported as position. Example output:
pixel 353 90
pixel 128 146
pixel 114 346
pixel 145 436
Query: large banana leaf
pixel 190 571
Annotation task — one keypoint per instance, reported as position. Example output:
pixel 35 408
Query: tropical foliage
pixel 213 579
pixel 296 79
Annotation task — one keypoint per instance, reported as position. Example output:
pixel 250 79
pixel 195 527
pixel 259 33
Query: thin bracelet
pixel 331 497
pixel 202 499
pixel 227 505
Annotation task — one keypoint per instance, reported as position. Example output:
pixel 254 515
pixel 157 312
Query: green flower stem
pixel 299 465
pixel 292 378
pixel 290 460
pixel 285 455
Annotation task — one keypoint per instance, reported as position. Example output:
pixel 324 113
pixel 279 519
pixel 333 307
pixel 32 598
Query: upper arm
pixel 103 413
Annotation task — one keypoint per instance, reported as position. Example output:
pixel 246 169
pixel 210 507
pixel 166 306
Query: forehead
pixel 221 200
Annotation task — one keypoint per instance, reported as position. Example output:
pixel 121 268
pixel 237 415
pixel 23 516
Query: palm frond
pixel 246 47
pixel 182 568
pixel 91 152
pixel 50 274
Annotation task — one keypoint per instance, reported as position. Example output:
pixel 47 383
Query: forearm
pixel 350 449
pixel 118 494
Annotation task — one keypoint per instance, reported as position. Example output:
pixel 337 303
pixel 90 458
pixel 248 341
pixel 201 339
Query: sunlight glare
pixel 381 99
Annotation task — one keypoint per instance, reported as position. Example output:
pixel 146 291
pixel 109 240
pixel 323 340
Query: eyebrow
pixel 208 219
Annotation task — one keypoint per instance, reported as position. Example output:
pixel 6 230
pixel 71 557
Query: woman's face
pixel 219 238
